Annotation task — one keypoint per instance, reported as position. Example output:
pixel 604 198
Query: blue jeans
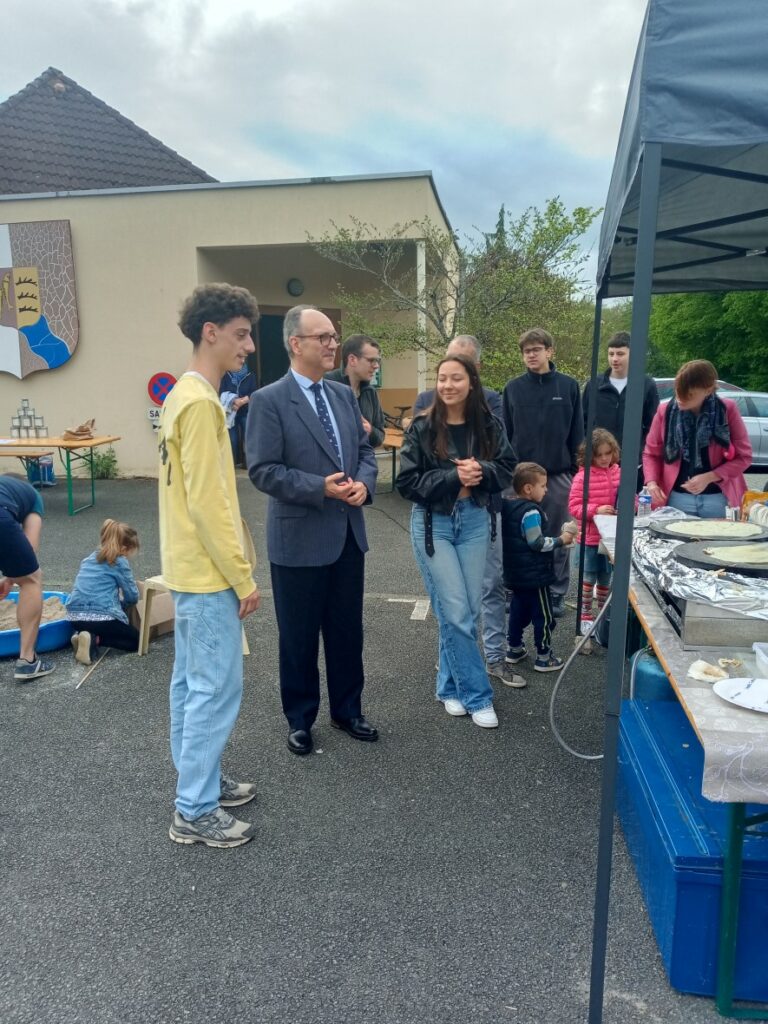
pixel 494 601
pixel 206 688
pixel 453 577
pixel 705 506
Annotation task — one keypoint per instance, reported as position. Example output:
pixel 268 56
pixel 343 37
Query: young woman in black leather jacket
pixel 453 458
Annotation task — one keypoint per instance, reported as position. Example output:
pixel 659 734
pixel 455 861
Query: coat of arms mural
pixel 38 308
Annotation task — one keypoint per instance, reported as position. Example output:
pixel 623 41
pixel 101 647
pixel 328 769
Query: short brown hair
pixel 526 473
pixel 216 304
pixel 599 438
pixel 698 373
pixel 619 340
pixel 536 336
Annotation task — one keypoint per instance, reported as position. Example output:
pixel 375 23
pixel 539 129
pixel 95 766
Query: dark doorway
pixel 270 358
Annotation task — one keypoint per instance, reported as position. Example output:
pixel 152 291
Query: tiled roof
pixel 55 136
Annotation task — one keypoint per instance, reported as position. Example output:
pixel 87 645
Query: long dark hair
pixel 480 439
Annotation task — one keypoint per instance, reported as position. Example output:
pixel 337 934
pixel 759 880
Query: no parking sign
pixel 159 387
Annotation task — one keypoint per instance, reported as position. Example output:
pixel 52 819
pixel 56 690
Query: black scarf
pixel 685 435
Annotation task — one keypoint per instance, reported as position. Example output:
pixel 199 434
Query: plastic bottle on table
pixel 644 503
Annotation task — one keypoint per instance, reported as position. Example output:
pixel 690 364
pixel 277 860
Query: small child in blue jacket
pixel 104 588
pixel 529 566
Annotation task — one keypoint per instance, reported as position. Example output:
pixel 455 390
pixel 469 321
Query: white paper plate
pixel 744 692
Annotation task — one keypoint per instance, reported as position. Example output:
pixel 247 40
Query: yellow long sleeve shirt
pixel 201 545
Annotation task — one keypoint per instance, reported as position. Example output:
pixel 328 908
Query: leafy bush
pixel 105 464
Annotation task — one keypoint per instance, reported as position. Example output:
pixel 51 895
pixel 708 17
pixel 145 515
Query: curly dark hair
pixel 477 415
pixel 216 304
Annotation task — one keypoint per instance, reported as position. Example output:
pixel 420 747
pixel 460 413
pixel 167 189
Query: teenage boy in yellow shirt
pixel 205 567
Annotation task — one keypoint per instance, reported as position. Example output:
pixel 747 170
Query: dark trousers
pixel 112 633
pixel 310 600
pixel 526 606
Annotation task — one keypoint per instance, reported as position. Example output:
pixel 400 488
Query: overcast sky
pixel 509 101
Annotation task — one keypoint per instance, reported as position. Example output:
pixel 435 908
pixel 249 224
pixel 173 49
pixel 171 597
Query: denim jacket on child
pixel 97 589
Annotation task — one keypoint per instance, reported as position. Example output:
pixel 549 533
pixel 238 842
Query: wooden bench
pixel 393 442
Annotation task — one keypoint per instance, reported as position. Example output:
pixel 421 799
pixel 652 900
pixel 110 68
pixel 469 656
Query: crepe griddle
pixel 693 554
pixel 663 531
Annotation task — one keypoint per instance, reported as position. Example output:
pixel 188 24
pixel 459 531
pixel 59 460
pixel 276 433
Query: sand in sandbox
pixel 53 609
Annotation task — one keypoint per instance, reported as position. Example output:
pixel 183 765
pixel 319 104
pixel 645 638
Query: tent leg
pixel 630 448
pixel 588 452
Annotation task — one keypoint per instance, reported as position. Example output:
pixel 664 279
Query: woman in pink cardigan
pixel 697 448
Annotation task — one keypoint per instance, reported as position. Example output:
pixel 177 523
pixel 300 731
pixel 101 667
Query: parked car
pixel 666 387
pixel 753 406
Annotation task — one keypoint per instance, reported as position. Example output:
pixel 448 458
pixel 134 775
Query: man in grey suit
pixel 307 449
pixel 494 596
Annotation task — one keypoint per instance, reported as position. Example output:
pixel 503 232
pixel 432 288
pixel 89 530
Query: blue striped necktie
pixel 325 417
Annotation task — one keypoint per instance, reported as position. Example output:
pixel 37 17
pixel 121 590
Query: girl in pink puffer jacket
pixel 601 500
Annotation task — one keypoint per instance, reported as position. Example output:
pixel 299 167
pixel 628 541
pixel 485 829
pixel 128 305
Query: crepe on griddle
pixel 740 554
pixel 714 529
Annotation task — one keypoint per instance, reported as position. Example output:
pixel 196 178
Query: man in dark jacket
pixel 241 384
pixel 610 391
pixel 494 598
pixel 360 359
pixel 542 413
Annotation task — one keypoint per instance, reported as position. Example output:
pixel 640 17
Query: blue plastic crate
pixel 676 839
pixel 51 637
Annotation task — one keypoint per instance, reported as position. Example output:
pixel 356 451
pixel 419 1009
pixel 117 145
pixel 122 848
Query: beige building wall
pixel 138 254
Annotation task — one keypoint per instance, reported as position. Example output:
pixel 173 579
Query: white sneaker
pixel 486 718
pixel 454 707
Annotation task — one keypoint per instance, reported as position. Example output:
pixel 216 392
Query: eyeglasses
pixel 326 340
pixel 373 360
pixel 533 351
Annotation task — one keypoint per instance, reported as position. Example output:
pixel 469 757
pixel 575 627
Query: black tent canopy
pixel 699 89
pixel 687 210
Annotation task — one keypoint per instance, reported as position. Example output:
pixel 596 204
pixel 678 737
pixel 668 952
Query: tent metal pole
pixel 630 453
pixel 588 449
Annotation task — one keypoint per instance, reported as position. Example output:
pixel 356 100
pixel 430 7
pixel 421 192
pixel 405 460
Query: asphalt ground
pixel 444 874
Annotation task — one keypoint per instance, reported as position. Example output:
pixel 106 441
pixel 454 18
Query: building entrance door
pixel 270 356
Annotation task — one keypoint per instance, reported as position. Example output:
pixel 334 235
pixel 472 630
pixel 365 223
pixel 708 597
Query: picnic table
pixel 71 452
pixel 393 442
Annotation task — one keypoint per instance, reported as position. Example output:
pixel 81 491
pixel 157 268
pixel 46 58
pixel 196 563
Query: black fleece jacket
pixel 542 413
pixel 609 405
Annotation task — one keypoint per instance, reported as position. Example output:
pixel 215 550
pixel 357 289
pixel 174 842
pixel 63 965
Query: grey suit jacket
pixel 289 456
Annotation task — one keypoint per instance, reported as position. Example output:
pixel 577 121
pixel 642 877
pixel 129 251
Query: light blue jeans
pixel 705 506
pixel 453 577
pixel 206 689
pixel 494 601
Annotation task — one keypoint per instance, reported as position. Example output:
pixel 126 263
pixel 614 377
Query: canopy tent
pixel 687 210
pixel 699 88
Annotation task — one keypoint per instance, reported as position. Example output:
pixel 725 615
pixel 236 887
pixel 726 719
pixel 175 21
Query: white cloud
pixel 285 88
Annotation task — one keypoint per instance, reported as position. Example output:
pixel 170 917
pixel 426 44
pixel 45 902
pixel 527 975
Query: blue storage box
pixel 650 679
pixel 40 472
pixel 676 839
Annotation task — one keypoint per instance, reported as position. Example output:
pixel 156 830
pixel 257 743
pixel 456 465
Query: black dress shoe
pixel 300 741
pixel 357 728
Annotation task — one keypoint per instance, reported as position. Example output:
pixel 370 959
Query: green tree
pixel 728 328
pixel 527 272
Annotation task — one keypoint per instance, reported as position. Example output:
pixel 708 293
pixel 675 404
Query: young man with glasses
pixel 360 360
pixel 307 449
pixel 542 412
